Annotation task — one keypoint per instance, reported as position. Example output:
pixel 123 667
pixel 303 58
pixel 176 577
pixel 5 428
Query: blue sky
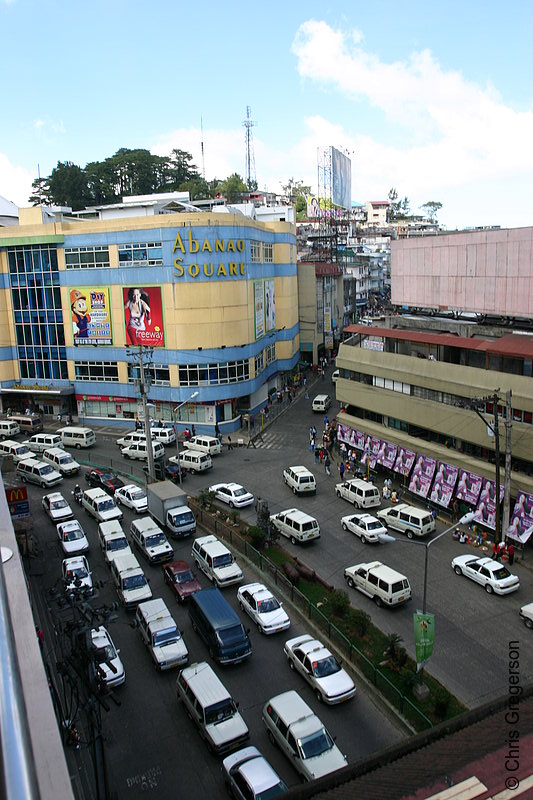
pixel 433 99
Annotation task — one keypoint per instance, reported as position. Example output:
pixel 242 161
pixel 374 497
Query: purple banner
pixel 469 487
pixel 404 461
pixel 422 475
pixel 444 484
pixel 522 518
pixel 486 508
pixel 370 451
pixel 387 454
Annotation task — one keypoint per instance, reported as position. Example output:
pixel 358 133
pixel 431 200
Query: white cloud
pixel 38 123
pixel 15 182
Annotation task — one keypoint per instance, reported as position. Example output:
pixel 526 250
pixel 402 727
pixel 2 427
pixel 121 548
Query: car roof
pixel 68 525
pixel 314 646
pixel 128 486
pixel 55 496
pixel 73 560
pixel 366 518
pixel 258 773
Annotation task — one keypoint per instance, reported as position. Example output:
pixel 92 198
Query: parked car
pixel 265 610
pixel 249 776
pixel 72 537
pixel 179 576
pixel 132 497
pixel 233 494
pixel 57 507
pixel 367 527
pixel 489 573
pixel 109 668
pixel 105 480
pixel 330 682
pixel 77 577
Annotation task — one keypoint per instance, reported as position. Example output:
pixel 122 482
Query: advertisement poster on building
pixel 387 454
pixel 91 315
pixel 424 637
pixel 444 484
pixel 422 475
pixel 468 487
pixel 270 306
pixel 259 310
pixel 521 526
pixel 143 316
pixel 404 461
pixel 486 507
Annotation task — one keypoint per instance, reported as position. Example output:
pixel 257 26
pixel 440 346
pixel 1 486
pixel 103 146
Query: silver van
pixel 42 441
pixel 381 583
pixel 28 423
pixel 33 471
pixel 77 437
pixel 100 505
pixel 211 707
pixel 321 402
pixel 17 450
pixel 408 519
pixel 62 461
pixel 8 428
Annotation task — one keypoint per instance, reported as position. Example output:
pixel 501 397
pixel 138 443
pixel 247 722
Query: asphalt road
pixel 149 743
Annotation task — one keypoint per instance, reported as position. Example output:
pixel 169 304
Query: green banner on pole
pixel 424 636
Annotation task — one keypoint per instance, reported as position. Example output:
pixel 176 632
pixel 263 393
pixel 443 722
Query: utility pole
pixel 143 382
pixel 507 480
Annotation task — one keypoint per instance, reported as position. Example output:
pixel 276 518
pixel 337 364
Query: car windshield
pixel 134 582
pixel 155 540
pixel 117 544
pixel 167 636
pixel 316 744
pixel 326 666
pixel 46 470
pixel 66 459
pixel 184 577
pixel 272 791
pixel 229 636
pixel 220 711
pixel 73 534
pixel 270 604
pixel 224 560
pixel 184 519
pixel 501 574
pixel 106 505
pixel 57 504
pixel 108 476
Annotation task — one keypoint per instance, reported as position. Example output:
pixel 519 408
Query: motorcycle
pixel 77 492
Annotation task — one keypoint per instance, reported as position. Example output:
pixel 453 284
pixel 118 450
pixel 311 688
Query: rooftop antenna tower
pixel 202 146
pixel 249 170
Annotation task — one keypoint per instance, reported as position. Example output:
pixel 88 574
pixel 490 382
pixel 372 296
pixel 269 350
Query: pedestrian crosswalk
pixel 269 440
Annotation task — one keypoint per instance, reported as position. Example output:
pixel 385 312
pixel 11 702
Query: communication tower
pixel 249 170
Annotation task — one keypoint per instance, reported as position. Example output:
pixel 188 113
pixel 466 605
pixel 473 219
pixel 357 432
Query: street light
pixel 174 411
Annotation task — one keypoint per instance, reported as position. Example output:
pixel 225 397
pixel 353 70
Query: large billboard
pixel 342 179
pixel 270 305
pixel 259 309
pixel 91 315
pixel 422 475
pixel 143 316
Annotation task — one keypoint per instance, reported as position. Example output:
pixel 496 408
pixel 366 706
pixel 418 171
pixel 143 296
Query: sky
pixel 435 100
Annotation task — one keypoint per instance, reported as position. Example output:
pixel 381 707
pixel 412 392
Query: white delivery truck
pixel 167 504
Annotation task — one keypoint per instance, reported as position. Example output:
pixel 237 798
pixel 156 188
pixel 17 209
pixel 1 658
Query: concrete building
pixel 320 303
pixel 212 296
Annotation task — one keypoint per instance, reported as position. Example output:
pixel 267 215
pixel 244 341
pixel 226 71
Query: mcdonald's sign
pixel 17 498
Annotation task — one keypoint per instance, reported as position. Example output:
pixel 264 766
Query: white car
pixel 109 668
pixel 72 537
pixel 249 776
pixel 77 575
pixel 320 668
pixel 57 507
pixel 526 614
pixel 488 572
pixel 367 527
pixel 233 494
pixel 261 605
pixel 132 497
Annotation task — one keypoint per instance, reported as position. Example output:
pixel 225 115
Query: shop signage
pixel 196 249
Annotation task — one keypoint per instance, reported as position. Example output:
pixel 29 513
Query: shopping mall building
pixel 210 301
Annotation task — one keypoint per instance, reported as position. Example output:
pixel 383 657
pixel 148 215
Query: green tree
pixel 40 192
pixel 233 188
pixel 431 209
pixel 180 169
pixel 398 209
pixel 295 189
pixel 68 186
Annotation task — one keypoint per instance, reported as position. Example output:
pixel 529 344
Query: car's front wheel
pixel 528 623
pixel 319 696
pixel 344 526
pixel 231 504
pixel 350 583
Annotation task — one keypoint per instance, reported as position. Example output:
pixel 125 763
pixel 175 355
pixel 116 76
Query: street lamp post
pixel 175 411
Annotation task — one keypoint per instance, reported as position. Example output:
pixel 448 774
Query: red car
pixel 104 479
pixel 178 574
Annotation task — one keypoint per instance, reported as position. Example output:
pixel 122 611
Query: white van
pixel 100 505
pixel 381 583
pixel 193 460
pixel 211 707
pixel 62 461
pixel 133 437
pixel 16 450
pixel 296 525
pixel 130 581
pixel 359 492
pixel 163 435
pixel 150 540
pixel 216 561
pixel 113 541
pixel 321 402
pixel 161 635
pixel 408 519
pixel 206 444
pixel 31 470
pixel 8 428
pixel 42 441
pixel 77 437
pixel 300 480
pixel 139 450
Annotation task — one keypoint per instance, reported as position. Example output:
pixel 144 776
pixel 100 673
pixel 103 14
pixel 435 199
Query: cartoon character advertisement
pixel 143 316
pixel 91 315
pixel 444 483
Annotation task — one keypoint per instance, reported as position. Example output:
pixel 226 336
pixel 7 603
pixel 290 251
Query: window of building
pixel 268 252
pixel 260 362
pixel 270 353
pixel 213 374
pixel 255 252
pixel 158 374
pixel 96 257
pixel 96 371
pixel 140 254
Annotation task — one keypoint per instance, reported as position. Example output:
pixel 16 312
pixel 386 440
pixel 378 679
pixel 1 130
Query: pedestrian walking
pixel 317 455
pixel 326 420
pixel 230 443
pixel 510 553
pixel 341 470
pixel 327 464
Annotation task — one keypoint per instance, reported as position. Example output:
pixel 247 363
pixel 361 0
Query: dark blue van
pixel 216 622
